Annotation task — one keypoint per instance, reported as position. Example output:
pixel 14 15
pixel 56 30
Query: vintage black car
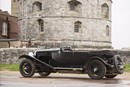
pixel 97 64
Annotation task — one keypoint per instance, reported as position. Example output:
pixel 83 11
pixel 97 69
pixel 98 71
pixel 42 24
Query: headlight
pixel 30 54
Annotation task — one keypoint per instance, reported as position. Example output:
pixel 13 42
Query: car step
pixel 74 69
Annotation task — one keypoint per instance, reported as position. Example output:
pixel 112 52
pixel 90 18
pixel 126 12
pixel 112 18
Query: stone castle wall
pixel 10 56
pixel 59 23
pixel 14 8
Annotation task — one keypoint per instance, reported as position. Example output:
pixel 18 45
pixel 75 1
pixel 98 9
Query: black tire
pixel 110 76
pixel 27 68
pixel 44 74
pixel 96 69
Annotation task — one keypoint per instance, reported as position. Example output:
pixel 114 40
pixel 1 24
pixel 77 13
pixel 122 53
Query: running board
pixel 73 69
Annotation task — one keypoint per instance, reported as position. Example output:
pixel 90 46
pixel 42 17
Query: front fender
pixel 27 56
pixel 37 60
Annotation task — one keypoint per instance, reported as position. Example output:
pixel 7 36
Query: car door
pixel 63 58
pixel 80 58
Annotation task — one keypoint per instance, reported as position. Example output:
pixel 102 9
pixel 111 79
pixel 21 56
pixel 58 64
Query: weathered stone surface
pixel 10 56
pixel 59 24
pixel 14 7
pixel 125 54
pixel 4 44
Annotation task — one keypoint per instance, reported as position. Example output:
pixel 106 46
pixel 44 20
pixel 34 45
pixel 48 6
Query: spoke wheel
pixel 27 68
pixel 44 74
pixel 96 69
pixel 110 76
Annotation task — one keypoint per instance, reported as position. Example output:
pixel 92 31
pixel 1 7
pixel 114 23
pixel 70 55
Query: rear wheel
pixel 110 76
pixel 27 68
pixel 44 74
pixel 96 69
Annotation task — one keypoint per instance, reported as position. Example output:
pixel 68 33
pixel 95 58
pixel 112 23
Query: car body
pixel 97 64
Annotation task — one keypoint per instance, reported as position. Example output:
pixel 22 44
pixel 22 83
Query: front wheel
pixel 96 69
pixel 27 68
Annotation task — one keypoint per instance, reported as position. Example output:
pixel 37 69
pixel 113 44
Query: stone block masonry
pixel 53 22
pixel 125 54
pixel 10 56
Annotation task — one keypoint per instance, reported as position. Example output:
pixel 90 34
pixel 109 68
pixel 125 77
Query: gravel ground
pixel 14 79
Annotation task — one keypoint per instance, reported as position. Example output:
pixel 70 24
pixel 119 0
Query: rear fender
pixel 100 59
pixel 37 60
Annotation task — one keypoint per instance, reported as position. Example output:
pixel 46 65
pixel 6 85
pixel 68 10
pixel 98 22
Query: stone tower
pixel 81 24
pixel 14 8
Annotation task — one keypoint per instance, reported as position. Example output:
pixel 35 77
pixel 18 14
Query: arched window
pixel 107 30
pixel 4 29
pixel 37 6
pixel 105 11
pixel 74 5
pixel 41 25
pixel 77 26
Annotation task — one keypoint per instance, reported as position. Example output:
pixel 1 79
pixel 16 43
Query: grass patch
pixel 127 67
pixel 9 67
pixel 15 67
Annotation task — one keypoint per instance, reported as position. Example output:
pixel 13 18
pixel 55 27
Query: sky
pixel 120 21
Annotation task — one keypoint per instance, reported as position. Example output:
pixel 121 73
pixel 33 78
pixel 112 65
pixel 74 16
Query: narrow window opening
pixel 37 6
pixel 41 25
pixel 77 26
pixel 107 30
pixel 105 11
pixel 4 29
pixel 74 5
